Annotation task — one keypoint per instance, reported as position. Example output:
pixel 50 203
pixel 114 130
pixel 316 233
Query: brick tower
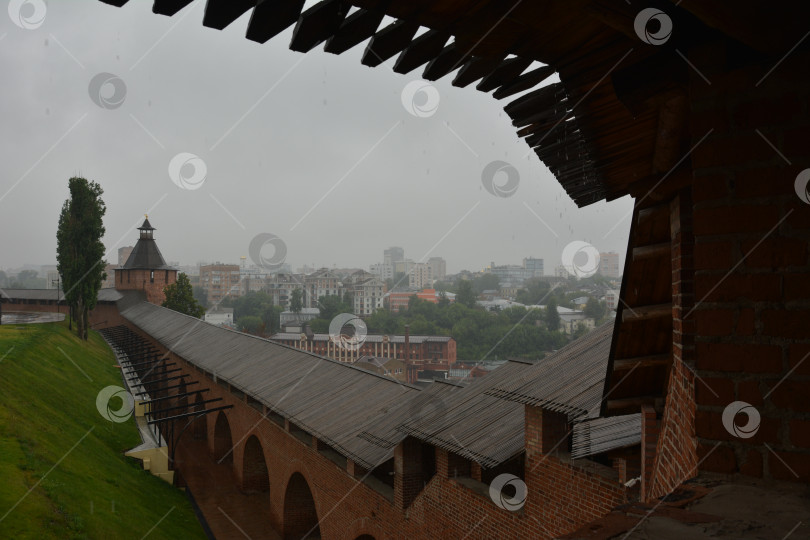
pixel 145 269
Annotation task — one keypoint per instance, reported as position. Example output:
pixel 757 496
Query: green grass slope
pixel 62 469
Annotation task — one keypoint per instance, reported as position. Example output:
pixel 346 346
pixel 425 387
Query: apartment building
pixel 322 282
pixel 420 276
pixel 220 280
pixel 368 292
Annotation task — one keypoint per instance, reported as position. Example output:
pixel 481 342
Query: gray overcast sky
pixel 284 136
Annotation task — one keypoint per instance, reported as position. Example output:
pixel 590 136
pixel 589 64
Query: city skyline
pixel 113 259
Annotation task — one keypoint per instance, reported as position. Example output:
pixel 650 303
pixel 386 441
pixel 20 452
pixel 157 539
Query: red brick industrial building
pixel 419 349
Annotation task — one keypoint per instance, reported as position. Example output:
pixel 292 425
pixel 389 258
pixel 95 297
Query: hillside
pixel 62 466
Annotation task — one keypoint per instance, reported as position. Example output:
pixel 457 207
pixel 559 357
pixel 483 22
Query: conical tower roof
pixel 146 254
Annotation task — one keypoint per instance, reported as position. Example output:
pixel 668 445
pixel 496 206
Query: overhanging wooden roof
pixel 614 125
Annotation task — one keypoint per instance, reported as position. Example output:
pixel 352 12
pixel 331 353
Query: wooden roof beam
pixel 168 7
pixel 552 129
pixel 509 69
pixel 476 68
pixel 625 364
pixel 524 82
pixel 357 27
pixel 317 24
pixel 644 313
pixel 221 13
pixel 656 190
pixel 542 98
pixel 634 403
pixel 271 17
pixel 652 251
pixel 388 42
pixel 528 130
pixel 546 116
pixel 446 61
pixel 651 212
pixel 422 50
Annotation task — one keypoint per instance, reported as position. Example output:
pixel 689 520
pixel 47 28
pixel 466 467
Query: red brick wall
pixel 141 280
pixel 751 230
pixel 561 496
pixel 675 456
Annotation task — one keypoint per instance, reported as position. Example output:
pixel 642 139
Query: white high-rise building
pixel 420 276
pixel 382 270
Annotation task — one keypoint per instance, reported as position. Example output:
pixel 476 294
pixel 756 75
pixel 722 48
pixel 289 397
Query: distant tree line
pixel 480 334
pixel 254 313
pixel 26 279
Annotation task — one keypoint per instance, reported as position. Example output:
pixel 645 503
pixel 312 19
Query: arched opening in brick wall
pixel 223 443
pixel 200 432
pixel 300 514
pixel 255 478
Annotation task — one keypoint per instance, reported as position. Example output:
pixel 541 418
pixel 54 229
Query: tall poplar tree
pixel 79 250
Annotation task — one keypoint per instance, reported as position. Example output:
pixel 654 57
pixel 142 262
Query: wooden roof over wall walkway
pixel 364 415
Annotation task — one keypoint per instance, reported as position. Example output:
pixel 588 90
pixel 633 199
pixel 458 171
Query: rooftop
pixel 371 338
pixel 364 415
pixel 145 254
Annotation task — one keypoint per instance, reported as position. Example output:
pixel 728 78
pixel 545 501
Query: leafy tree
pixel 465 294
pixel 250 324
pixel 594 309
pixel 442 286
pixel 580 331
pixel 319 326
pixel 27 275
pixel 332 305
pixel 296 305
pixel 28 279
pixel 479 334
pixel 486 282
pixel 254 304
pixel 533 292
pixel 383 322
pixel 271 318
pixel 180 298
pixel 443 299
pixel 201 295
pixel 552 316
pixel 79 250
pixel 514 314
